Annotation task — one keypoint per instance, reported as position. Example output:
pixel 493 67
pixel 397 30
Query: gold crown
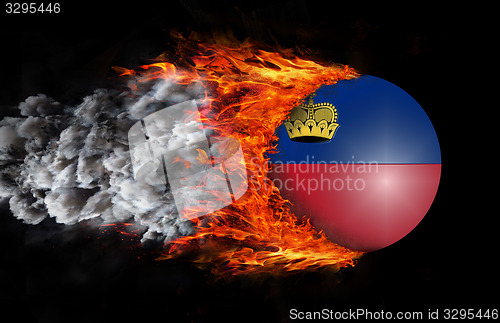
pixel 312 122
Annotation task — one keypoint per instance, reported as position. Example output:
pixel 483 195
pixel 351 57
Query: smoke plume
pixel 72 163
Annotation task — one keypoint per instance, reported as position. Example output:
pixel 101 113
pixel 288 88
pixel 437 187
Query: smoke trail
pixel 73 164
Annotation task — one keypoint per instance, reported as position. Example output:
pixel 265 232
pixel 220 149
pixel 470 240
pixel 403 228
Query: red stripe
pixel 362 210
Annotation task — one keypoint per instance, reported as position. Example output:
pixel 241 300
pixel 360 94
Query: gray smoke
pixel 73 163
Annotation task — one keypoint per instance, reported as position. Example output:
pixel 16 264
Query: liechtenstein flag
pixel 375 179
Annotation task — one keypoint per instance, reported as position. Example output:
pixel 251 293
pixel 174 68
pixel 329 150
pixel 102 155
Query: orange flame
pixel 248 93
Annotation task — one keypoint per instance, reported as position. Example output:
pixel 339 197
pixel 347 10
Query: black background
pixel 55 274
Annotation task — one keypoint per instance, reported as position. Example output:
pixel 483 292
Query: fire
pixel 249 90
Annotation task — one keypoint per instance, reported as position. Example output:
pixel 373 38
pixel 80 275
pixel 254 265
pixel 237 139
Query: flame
pixel 249 90
pixel 187 164
pixel 203 158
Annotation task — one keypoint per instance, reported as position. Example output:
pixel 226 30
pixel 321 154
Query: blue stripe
pixel 378 122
